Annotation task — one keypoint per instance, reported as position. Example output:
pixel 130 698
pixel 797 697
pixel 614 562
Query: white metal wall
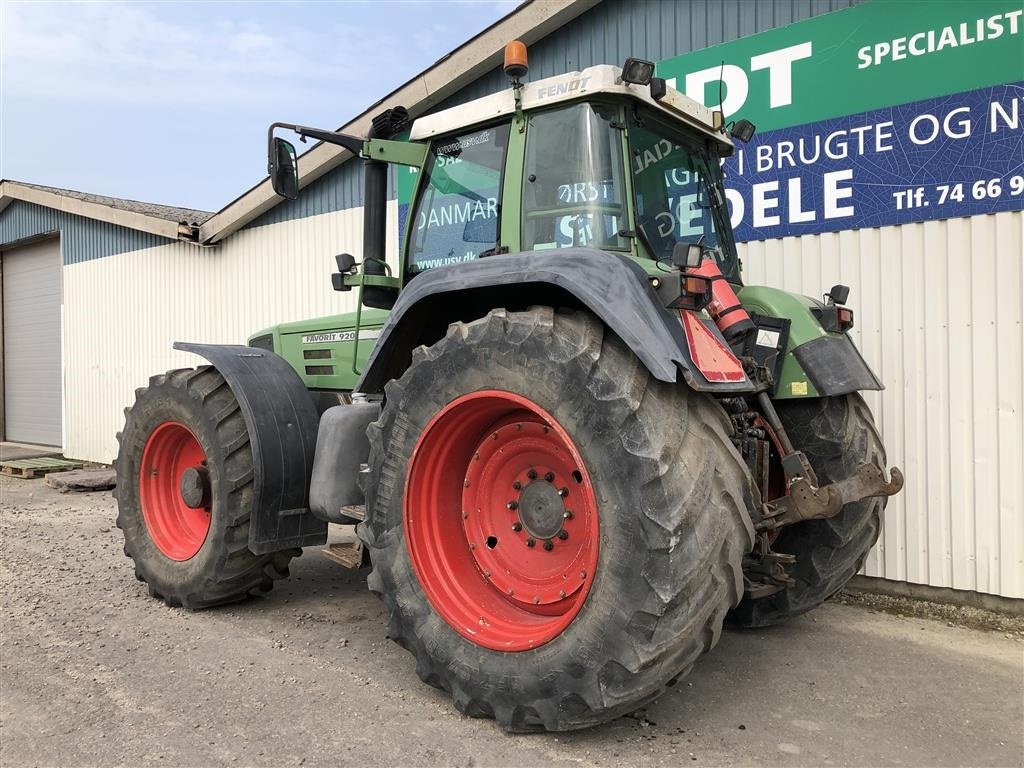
pixel 938 316
pixel 123 312
pixel 938 309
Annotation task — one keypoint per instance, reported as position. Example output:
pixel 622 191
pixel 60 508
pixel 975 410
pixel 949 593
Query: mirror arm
pixel 352 143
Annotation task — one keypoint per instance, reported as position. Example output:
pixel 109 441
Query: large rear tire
pixel 838 435
pixel 487 441
pixel 190 540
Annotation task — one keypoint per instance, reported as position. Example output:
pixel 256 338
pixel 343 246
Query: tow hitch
pixel 805 499
pixel 808 502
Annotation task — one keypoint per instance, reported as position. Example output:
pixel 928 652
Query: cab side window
pixel 459 206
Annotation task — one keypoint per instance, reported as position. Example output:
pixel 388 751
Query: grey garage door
pixel 32 360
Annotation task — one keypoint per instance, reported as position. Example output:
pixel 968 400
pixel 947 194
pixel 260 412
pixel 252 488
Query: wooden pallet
pixel 32 468
pixel 347 553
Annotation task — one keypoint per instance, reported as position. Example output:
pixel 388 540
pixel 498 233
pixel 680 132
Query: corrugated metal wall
pixel 650 29
pixel 938 316
pixel 81 238
pixel 122 313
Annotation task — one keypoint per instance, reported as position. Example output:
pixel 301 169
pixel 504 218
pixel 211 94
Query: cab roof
pixel 592 81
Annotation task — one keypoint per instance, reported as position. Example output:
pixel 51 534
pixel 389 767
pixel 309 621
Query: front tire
pixel 838 435
pixel 601 622
pixel 190 541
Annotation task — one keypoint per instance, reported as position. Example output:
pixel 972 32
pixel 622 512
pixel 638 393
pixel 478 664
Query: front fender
pixel 614 288
pixel 282 423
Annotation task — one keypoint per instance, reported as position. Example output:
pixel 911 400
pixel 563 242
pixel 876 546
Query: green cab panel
pixel 321 350
pixel 817 363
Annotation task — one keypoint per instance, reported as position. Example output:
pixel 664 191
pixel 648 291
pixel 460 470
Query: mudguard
pixel 613 287
pixel 817 363
pixel 282 423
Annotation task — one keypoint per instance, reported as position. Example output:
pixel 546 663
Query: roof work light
pixel 637 71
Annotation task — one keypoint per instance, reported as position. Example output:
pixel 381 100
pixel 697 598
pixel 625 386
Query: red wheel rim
pixel 491 473
pixel 177 529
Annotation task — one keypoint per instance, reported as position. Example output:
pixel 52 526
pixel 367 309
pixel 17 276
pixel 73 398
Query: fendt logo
pixel 563 88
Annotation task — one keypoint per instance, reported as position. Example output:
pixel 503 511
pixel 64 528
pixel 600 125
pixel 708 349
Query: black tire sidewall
pixel 155 406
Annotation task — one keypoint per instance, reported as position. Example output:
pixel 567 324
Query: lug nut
pixel 530 542
pixel 548 546
pixel 549 476
pixel 561 593
pixel 516 485
pixel 563 492
pixel 532 474
pixel 517 526
pixel 567 515
pixel 563 534
pixel 513 504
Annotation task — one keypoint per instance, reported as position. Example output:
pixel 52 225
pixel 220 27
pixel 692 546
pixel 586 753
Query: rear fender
pixel 282 422
pixel 817 363
pixel 614 288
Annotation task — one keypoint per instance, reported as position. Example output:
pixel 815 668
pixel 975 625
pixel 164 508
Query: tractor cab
pixel 607 158
pixel 598 167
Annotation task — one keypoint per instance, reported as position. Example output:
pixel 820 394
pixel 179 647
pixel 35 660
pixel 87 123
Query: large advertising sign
pixel 890 112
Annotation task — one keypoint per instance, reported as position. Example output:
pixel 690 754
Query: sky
pixel 169 102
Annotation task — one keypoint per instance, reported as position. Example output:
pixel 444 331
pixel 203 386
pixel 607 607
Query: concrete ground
pixel 94 672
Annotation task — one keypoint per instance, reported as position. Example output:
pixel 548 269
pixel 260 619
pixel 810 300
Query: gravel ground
pixel 94 672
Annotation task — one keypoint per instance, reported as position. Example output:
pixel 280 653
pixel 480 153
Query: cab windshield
pixel 680 197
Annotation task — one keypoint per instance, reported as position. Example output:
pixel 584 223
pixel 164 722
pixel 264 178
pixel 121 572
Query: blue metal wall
pixel 606 34
pixel 82 238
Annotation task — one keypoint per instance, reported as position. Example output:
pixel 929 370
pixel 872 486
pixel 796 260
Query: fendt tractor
pixel 574 445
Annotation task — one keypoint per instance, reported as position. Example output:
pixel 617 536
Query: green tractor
pixel 573 443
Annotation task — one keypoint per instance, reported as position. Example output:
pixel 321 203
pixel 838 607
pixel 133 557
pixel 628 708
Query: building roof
pixel 169 212
pixel 165 220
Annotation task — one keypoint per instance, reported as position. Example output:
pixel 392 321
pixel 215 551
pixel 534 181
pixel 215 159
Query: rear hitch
pixel 808 502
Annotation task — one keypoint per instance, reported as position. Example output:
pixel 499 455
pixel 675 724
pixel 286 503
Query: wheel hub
pixel 541 509
pixel 195 487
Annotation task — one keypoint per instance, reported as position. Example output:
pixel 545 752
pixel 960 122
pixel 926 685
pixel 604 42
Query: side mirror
pixel 345 262
pixel 743 130
pixel 346 266
pixel 687 256
pixel 284 169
